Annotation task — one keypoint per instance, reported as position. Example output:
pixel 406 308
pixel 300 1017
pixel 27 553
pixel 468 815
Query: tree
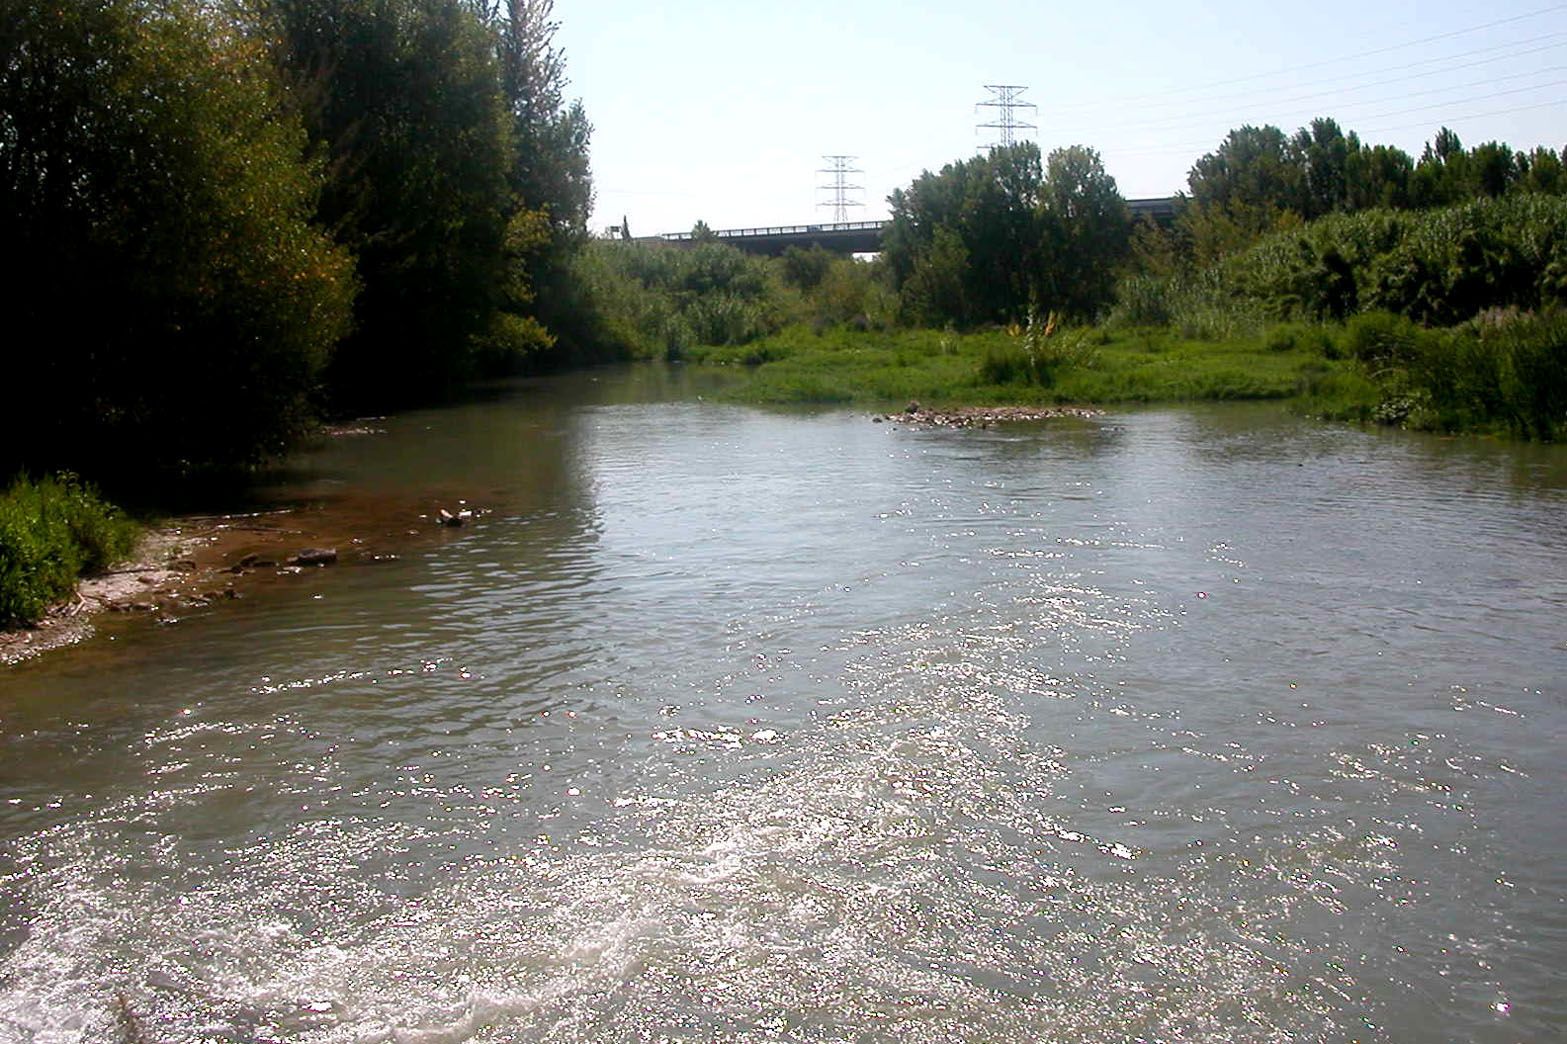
pixel 1211 232
pixel 935 291
pixel 1493 169
pixel 1441 178
pixel 1322 153
pixel 804 269
pixel 1086 232
pixel 1251 185
pixel 550 169
pixel 990 203
pixel 403 100
pixel 549 173
pixel 1542 171
pixel 1016 232
pixel 1254 168
pixel 1378 177
pixel 178 306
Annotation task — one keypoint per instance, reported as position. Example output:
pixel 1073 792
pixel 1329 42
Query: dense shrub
pixel 51 532
pixel 1200 305
pixel 851 291
pixel 656 300
pixel 170 305
pixel 1507 373
pixel 1307 337
pixel 1142 300
pixel 1454 313
pixel 1504 371
pixel 1381 339
pixel 1437 267
pixel 1010 364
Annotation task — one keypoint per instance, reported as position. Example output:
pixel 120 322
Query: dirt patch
pixel 197 561
pixel 981 416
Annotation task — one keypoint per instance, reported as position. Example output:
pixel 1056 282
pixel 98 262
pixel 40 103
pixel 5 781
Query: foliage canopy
pixel 989 237
pixel 179 305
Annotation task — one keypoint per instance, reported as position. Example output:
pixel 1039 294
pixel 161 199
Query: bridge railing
pixel 1160 207
pixel 784 230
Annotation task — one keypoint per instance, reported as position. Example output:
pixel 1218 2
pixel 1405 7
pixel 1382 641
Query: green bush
pixel 1437 267
pixel 507 341
pixel 51 532
pixel 1306 337
pixel 1532 372
pixel 1141 300
pixel 1199 306
pixel 1009 364
pixel 661 301
pixel 854 292
pixel 1505 371
pixel 155 219
pixel 1507 374
pixel 1381 339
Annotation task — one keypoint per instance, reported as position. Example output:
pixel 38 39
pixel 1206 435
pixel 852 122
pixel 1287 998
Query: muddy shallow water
pixel 737 724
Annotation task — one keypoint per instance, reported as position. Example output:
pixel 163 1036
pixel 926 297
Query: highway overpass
pixel 858 237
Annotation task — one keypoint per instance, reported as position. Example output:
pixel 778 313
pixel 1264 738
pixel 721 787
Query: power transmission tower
pixel 840 169
pixel 1004 98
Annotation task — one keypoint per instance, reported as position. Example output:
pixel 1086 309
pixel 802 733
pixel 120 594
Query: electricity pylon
pixel 840 169
pixel 1004 98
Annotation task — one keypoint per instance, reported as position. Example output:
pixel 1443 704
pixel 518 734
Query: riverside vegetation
pixel 1351 280
pixel 227 221
pixel 224 220
pixel 1445 320
pixel 52 531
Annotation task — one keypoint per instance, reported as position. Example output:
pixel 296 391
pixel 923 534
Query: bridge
pixel 859 237
pixel 842 237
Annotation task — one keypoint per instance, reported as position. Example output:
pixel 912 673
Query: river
pixel 733 724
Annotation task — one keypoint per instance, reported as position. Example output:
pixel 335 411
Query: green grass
pixel 52 531
pixel 1083 367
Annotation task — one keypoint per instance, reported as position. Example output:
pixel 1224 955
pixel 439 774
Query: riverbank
pixel 146 581
pixel 1497 375
pixel 1087 367
pixel 194 563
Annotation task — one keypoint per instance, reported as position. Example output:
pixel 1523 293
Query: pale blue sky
pixel 723 111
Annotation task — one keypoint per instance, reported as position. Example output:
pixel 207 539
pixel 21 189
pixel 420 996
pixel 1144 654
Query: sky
pixel 724 111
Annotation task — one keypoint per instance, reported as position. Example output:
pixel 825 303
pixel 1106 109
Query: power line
pixel 1129 99
pixel 1252 96
pixel 1473 116
pixel 1199 119
pixel 1180 148
pixel 1004 98
pixel 1483 97
pixel 840 169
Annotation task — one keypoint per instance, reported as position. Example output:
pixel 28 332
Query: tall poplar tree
pixel 403 102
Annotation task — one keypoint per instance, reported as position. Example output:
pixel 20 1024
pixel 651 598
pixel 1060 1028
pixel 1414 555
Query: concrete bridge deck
pixel 844 237
pixel 858 237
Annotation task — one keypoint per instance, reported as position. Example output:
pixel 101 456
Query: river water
pixel 728 724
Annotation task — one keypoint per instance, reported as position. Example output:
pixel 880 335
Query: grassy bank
pixel 53 531
pixel 1503 373
pixel 1088 366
